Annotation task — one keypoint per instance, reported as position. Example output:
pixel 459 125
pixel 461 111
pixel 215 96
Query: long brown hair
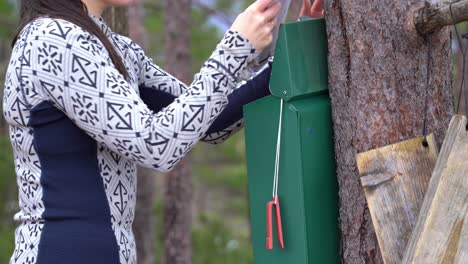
pixel 74 11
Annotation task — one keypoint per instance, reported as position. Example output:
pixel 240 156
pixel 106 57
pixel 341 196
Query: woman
pixel 85 106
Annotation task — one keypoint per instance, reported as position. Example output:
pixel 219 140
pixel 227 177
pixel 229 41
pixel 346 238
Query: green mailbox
pixel 307 184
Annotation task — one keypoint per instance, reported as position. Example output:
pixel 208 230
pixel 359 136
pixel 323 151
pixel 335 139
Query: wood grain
pixel 441 233
pixel 395 179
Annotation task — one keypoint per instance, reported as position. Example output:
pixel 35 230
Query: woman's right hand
pixel 315 11
pixel 257 22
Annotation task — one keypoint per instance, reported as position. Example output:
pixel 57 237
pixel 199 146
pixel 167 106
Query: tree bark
pixel 378 65
pixel 144 224
pixel 438 14
pixel 178 191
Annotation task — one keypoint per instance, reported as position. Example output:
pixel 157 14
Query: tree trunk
pixel 378 68
pixel 117 19
pixel 144 224
pixel 178 191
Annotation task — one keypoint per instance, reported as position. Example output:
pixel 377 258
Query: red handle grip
pixel 269 236
pixel 279 226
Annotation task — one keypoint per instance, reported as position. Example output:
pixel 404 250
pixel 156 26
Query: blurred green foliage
pixel 8 189
pixel 7 18
pixel 221 228
pixel 213 242
pixel 7 197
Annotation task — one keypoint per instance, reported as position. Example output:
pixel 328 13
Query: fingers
pixel 271 25
pixel 314 11
pixel 316 14
pixel 305 8
pixel 317 7
pixel 261 5
pixel 273 11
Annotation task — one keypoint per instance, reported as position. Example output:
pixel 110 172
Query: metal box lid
pixel 300 66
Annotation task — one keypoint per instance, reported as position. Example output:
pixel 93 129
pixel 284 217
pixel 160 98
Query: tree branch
pixel 432 18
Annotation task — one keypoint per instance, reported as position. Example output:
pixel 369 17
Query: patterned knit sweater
pixel 79 129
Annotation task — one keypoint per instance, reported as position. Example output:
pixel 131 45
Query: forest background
pixel 220 212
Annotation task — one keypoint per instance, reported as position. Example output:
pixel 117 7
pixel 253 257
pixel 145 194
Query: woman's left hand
pixel 315 11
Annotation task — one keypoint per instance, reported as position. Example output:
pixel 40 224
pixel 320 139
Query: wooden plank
pixel 395 179
pixel 441 233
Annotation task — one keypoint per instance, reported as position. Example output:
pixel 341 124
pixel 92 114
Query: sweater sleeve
pixel 158 86
pixel 75 73
pixel 230 120
pixel 231 60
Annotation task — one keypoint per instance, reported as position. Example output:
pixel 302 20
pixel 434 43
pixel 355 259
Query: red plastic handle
pixel 279 226
pixel 269 236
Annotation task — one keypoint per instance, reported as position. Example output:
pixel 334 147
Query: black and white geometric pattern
pixel 57 61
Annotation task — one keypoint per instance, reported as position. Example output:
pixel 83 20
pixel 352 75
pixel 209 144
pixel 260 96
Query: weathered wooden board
pixel 395 179
pixel 441 233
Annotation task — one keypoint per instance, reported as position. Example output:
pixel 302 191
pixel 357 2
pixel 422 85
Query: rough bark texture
pixel 144 224
pixel 433 17
pixel 378 69
pixel 178 191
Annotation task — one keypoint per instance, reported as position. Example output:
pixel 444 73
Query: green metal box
pixel 300 65
pixel 307 185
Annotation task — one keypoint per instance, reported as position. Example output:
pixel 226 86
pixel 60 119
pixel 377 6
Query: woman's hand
pixel 315 11
pixel 257 22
